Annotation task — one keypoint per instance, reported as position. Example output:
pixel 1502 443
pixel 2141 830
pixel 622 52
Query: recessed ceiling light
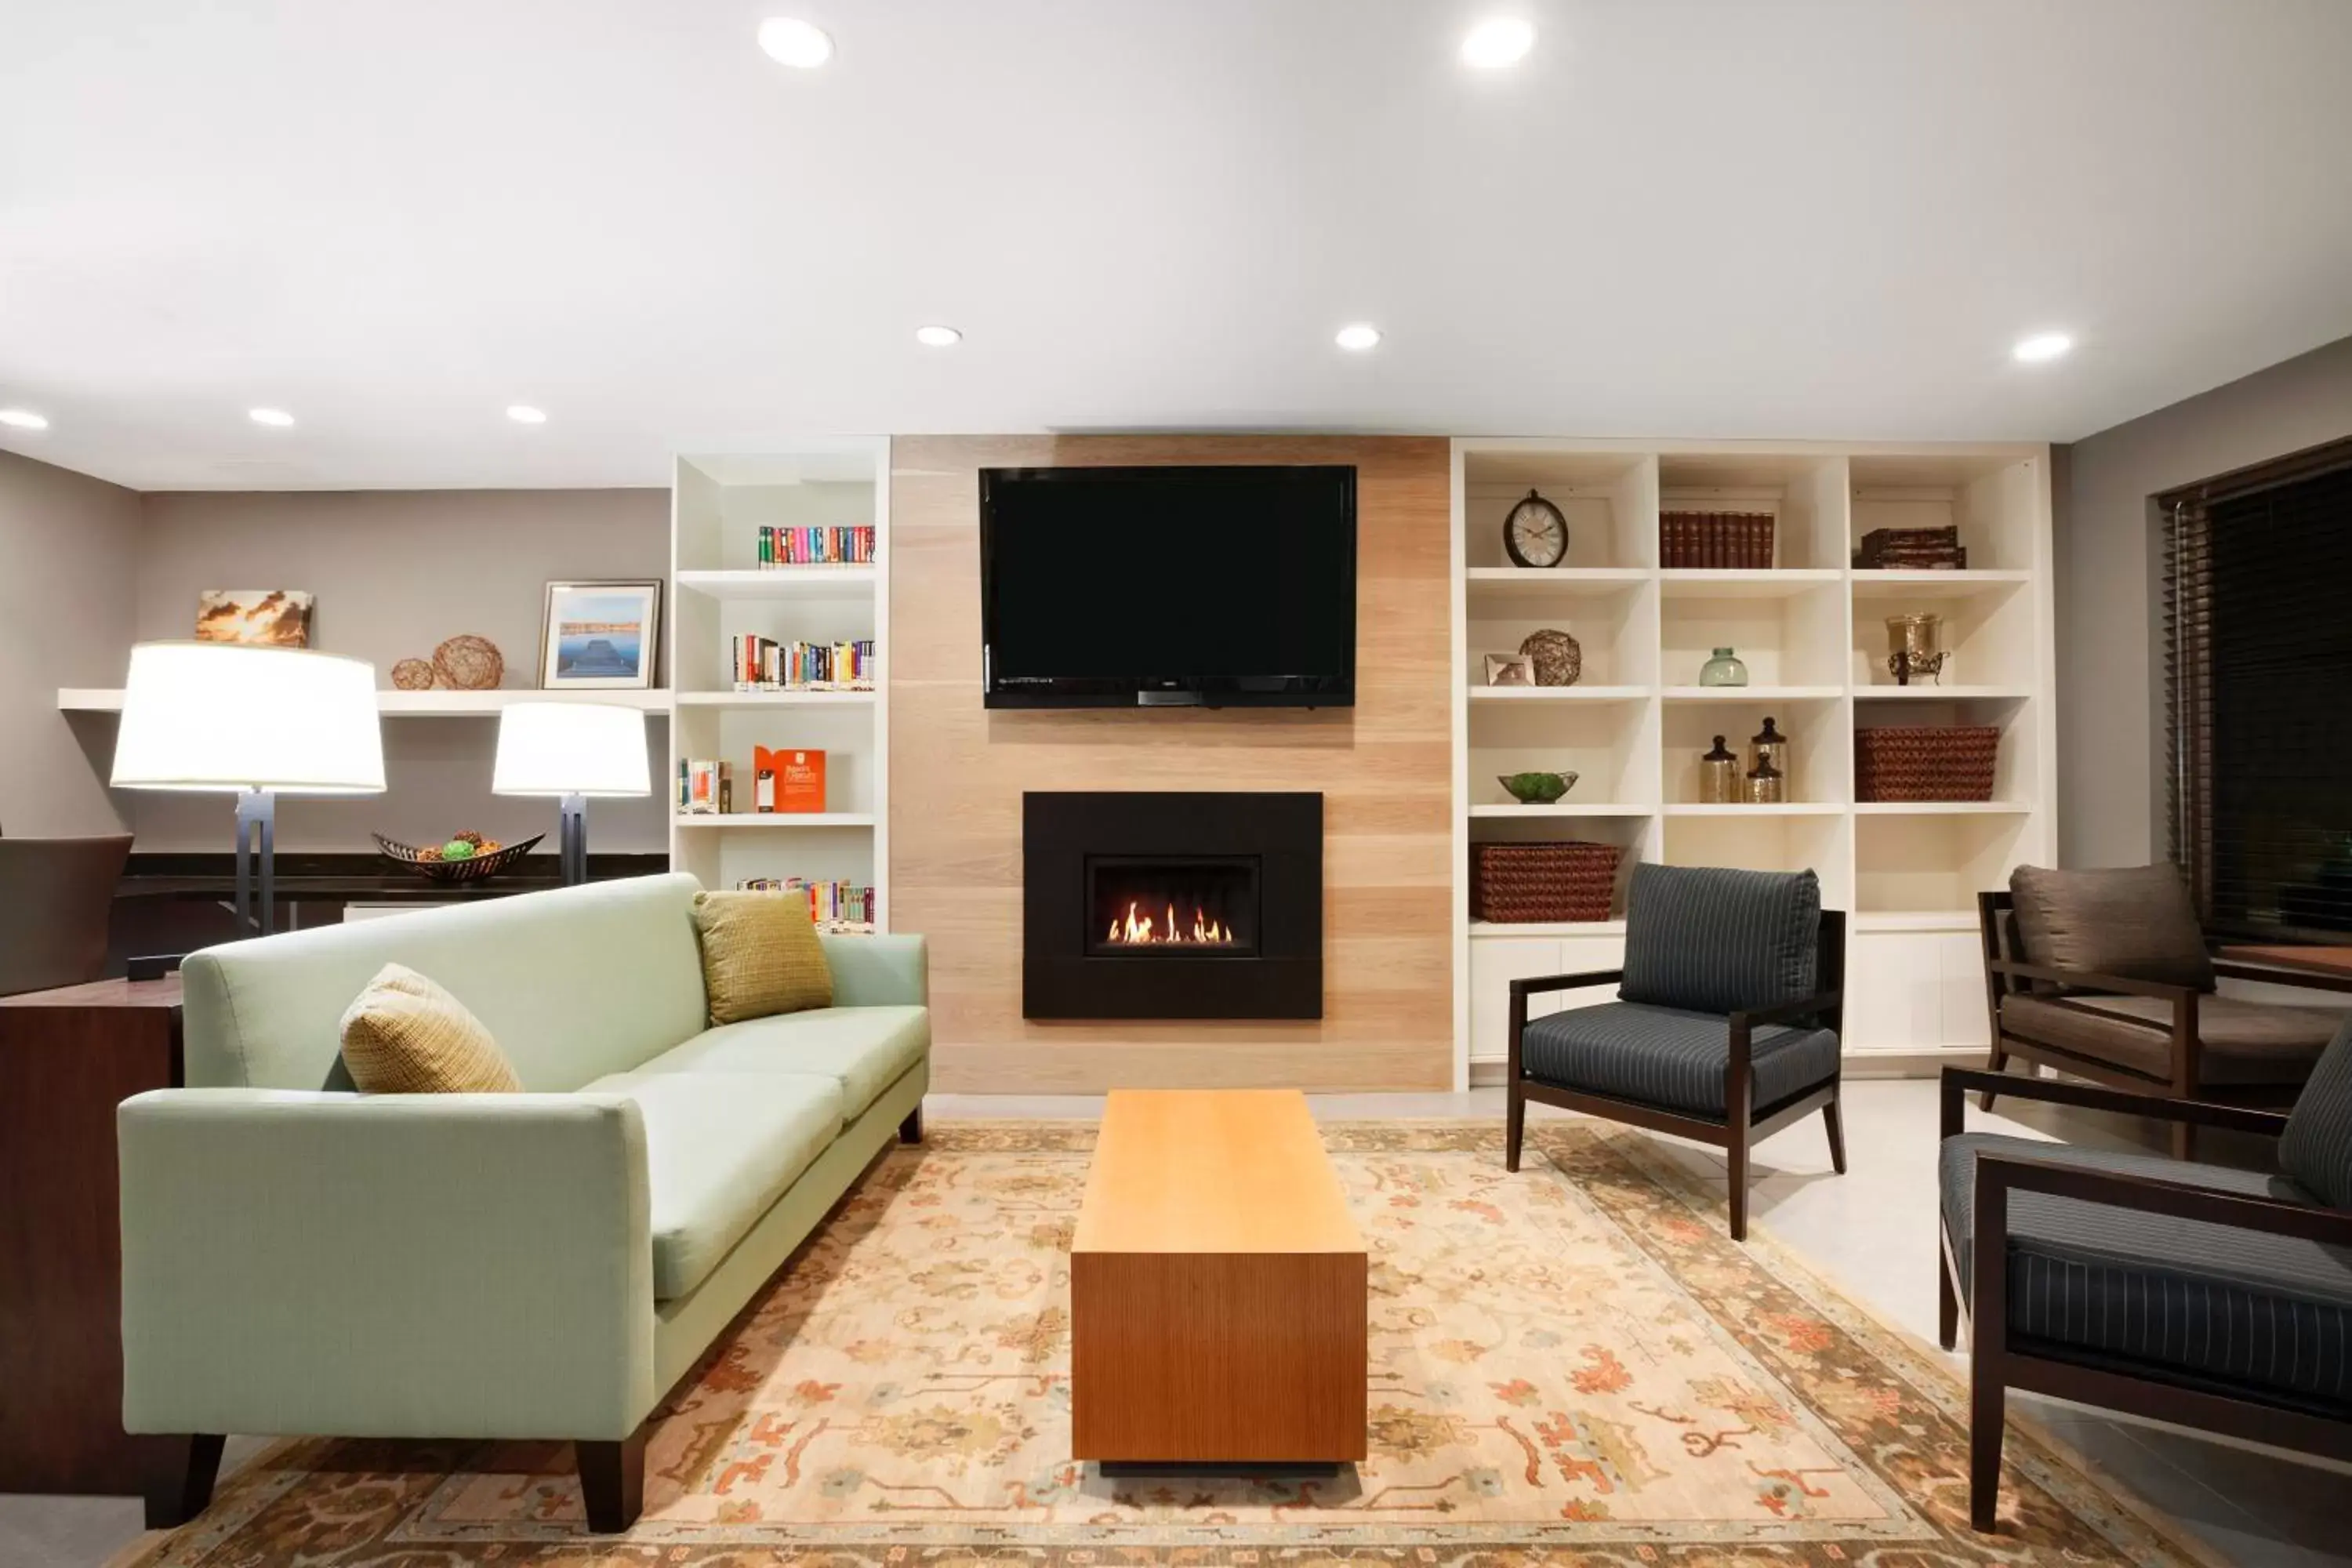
pixel 276 418
pixel 938 337
pixel 2043 346
pixel 524 414
pixel 792 42
pixel 1498 41
pixel 23 419
pixel 1359 337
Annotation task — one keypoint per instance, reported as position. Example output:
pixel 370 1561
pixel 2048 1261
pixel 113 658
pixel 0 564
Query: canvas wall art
pixel 264 618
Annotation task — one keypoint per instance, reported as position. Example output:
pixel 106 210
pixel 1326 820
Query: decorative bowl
pixel 474 868
pixel 1536 789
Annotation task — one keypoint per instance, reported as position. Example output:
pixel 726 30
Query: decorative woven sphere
pixel 1558 660
pixel 413 674
pixel 469 663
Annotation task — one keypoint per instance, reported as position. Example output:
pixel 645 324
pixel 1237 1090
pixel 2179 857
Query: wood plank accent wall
pixel 958 771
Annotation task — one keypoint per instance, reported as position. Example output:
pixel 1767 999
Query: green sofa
pixel 299 1258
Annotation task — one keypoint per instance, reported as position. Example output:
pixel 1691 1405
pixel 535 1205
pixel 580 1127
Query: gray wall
pixel 67 547
pixel 394 572
pixel 2110 630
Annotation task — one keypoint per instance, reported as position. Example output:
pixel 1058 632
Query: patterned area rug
pixel 1571 1365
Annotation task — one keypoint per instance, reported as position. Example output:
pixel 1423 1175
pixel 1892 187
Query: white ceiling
pixel 1695 217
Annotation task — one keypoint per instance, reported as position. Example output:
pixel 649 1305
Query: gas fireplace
pixel 1145 904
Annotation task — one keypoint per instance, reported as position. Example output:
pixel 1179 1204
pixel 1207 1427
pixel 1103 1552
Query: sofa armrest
pixel 878 970
pixel 416 1265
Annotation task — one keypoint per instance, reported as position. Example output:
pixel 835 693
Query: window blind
pixel 2258 624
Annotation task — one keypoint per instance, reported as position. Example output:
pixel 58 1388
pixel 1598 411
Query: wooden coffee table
pixel 1217 1288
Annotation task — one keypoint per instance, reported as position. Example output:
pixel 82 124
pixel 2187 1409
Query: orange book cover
pixel 798 776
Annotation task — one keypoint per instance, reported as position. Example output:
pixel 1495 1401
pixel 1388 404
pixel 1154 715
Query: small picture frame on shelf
pixel 1511 670
pixel 600 637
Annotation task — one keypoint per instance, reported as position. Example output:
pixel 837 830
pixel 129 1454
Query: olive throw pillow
pixel 760 955
pixel 405 1035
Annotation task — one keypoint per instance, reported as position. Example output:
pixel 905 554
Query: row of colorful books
pixel 843 908
pixel 785 779
pixel 816 546
pixel 1737 541
pixel 763 664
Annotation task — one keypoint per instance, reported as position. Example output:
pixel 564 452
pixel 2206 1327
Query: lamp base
pixel 257 841
pixel 572 839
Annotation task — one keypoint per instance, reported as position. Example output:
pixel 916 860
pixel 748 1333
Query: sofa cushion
pixel 2316 1147
pixel 1712 939
pixel 720 1149
pixel 405 1035
pixel 2207 1304
pixel 2135 922
pixel 1670 1058
pixel 760 955
pixel 865 1050
pixel 2243 1042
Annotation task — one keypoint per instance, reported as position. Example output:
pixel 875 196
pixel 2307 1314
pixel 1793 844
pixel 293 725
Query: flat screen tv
pixel 1168 587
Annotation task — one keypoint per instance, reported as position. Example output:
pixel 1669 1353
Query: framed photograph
pixel 262 617
pixel 600 637
pixel 1511 670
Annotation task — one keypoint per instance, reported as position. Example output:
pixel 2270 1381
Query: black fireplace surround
pixel 1169 904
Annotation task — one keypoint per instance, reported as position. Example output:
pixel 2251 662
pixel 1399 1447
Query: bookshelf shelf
pixel 411 704
pixel 1504 931
pixel 1810 630
pixel 777 699
pixel 844 584
pixel 691 822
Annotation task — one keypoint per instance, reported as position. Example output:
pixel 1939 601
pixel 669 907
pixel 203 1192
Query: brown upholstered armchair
pixel 2104 975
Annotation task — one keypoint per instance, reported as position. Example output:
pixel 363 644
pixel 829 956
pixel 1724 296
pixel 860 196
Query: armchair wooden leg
pixel 911 1129
pixel 179 1476
pixel 1515 1125
pixel 1735 1171
pixel 1948 1301
pixel 1997 1062
pixel 613 1482
pixel 1834 1116
pixel 1988 1413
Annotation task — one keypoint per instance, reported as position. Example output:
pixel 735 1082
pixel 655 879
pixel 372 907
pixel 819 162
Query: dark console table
pixel 68 1057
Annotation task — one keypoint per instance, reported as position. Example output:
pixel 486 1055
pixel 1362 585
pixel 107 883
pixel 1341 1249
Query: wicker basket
pixel 474 868
pixel 1925 762
pixel 1514 883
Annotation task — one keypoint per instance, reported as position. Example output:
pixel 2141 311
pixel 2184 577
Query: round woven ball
pixel 1558 661
pixel 469 663
pixel 413 674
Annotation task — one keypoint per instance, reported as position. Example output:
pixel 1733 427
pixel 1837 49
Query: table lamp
pixel 256 723
pixel 571 751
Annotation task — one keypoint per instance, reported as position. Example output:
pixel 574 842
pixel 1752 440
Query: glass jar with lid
pixel 1723 670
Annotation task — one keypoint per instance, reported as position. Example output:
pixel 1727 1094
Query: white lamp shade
pixel 570 748
pixel 223 716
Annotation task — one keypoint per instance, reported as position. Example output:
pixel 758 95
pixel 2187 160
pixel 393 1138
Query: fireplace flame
pixel 1164 930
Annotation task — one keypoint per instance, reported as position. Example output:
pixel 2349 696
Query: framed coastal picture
pixel 600 637
pixel 262 617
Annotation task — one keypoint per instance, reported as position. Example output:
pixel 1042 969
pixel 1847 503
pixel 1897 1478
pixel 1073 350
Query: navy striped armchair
pixel 1726 1029
pixel 2202 1295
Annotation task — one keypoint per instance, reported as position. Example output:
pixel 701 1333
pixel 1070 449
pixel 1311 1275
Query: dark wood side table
pixel 2302 960
pixel 68 1057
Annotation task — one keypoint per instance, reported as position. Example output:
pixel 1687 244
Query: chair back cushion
pixel 2316 1147
pixel 1707 939
pixel 2135 922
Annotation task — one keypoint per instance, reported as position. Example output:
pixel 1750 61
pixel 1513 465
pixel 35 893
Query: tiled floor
pixel 1872 1231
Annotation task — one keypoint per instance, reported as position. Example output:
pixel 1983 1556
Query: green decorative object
pixel 456 849
pixel 1723 670
pixel 1536 789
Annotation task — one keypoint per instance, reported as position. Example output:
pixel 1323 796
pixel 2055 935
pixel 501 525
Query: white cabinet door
pixel 1893 990
pixel 1494 963
pixel 1961 957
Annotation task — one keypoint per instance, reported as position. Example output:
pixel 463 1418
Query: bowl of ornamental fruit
pixel 466 857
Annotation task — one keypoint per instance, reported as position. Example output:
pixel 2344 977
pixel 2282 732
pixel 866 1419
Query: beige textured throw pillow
pixel 760 955
pixel 405 1035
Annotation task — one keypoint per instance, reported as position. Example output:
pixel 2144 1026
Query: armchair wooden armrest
pixel 1998 1174
pixel 2232 969
pixel 1537 984
pixel 1957 1082
pixel 1787 1012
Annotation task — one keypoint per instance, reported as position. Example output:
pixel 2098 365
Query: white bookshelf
pixel 1810 630
pixel 719 504
pixel 395 704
